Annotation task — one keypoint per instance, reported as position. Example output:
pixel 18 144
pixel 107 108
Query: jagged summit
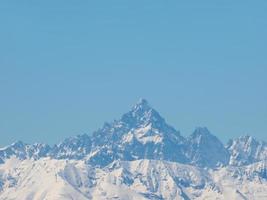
pixel 203 131
pixel 142 104
pixel 247 139
pixel 140 133
pixel 246 150
pixel 141 115
pixel 201 134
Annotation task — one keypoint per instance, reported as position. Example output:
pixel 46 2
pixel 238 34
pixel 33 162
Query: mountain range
pixel 139 156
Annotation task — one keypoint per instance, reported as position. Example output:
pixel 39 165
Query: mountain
pixel 24 151
pixel 139 156
pixel 206 150
pixel 72 148
pixel 140 134
pixel 53 179
pixel 246 150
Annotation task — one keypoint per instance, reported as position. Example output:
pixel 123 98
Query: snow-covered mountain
pixel 53 179
pixel 140 134
pixel 246 150
pixel 139 156
pixel 24 151
pixel 206 150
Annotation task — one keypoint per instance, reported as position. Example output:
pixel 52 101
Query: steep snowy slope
pixel 141 179
pixel 35 180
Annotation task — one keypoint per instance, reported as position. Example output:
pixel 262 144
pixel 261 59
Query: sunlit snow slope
pixel 52 179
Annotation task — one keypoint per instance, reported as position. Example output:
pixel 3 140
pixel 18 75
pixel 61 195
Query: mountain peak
pixel 202 131
pixel 142 114
pixel 246 138
pixel 142 101
pixel 141 105
pixel 207 149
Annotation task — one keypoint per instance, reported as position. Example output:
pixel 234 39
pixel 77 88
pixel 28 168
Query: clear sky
pixel 67 66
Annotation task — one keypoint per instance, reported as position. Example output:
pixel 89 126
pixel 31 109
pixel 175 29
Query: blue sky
pixel 68 66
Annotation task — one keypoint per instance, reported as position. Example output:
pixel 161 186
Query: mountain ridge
pixel 53 179
pixel 139 156
pixel 142 133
